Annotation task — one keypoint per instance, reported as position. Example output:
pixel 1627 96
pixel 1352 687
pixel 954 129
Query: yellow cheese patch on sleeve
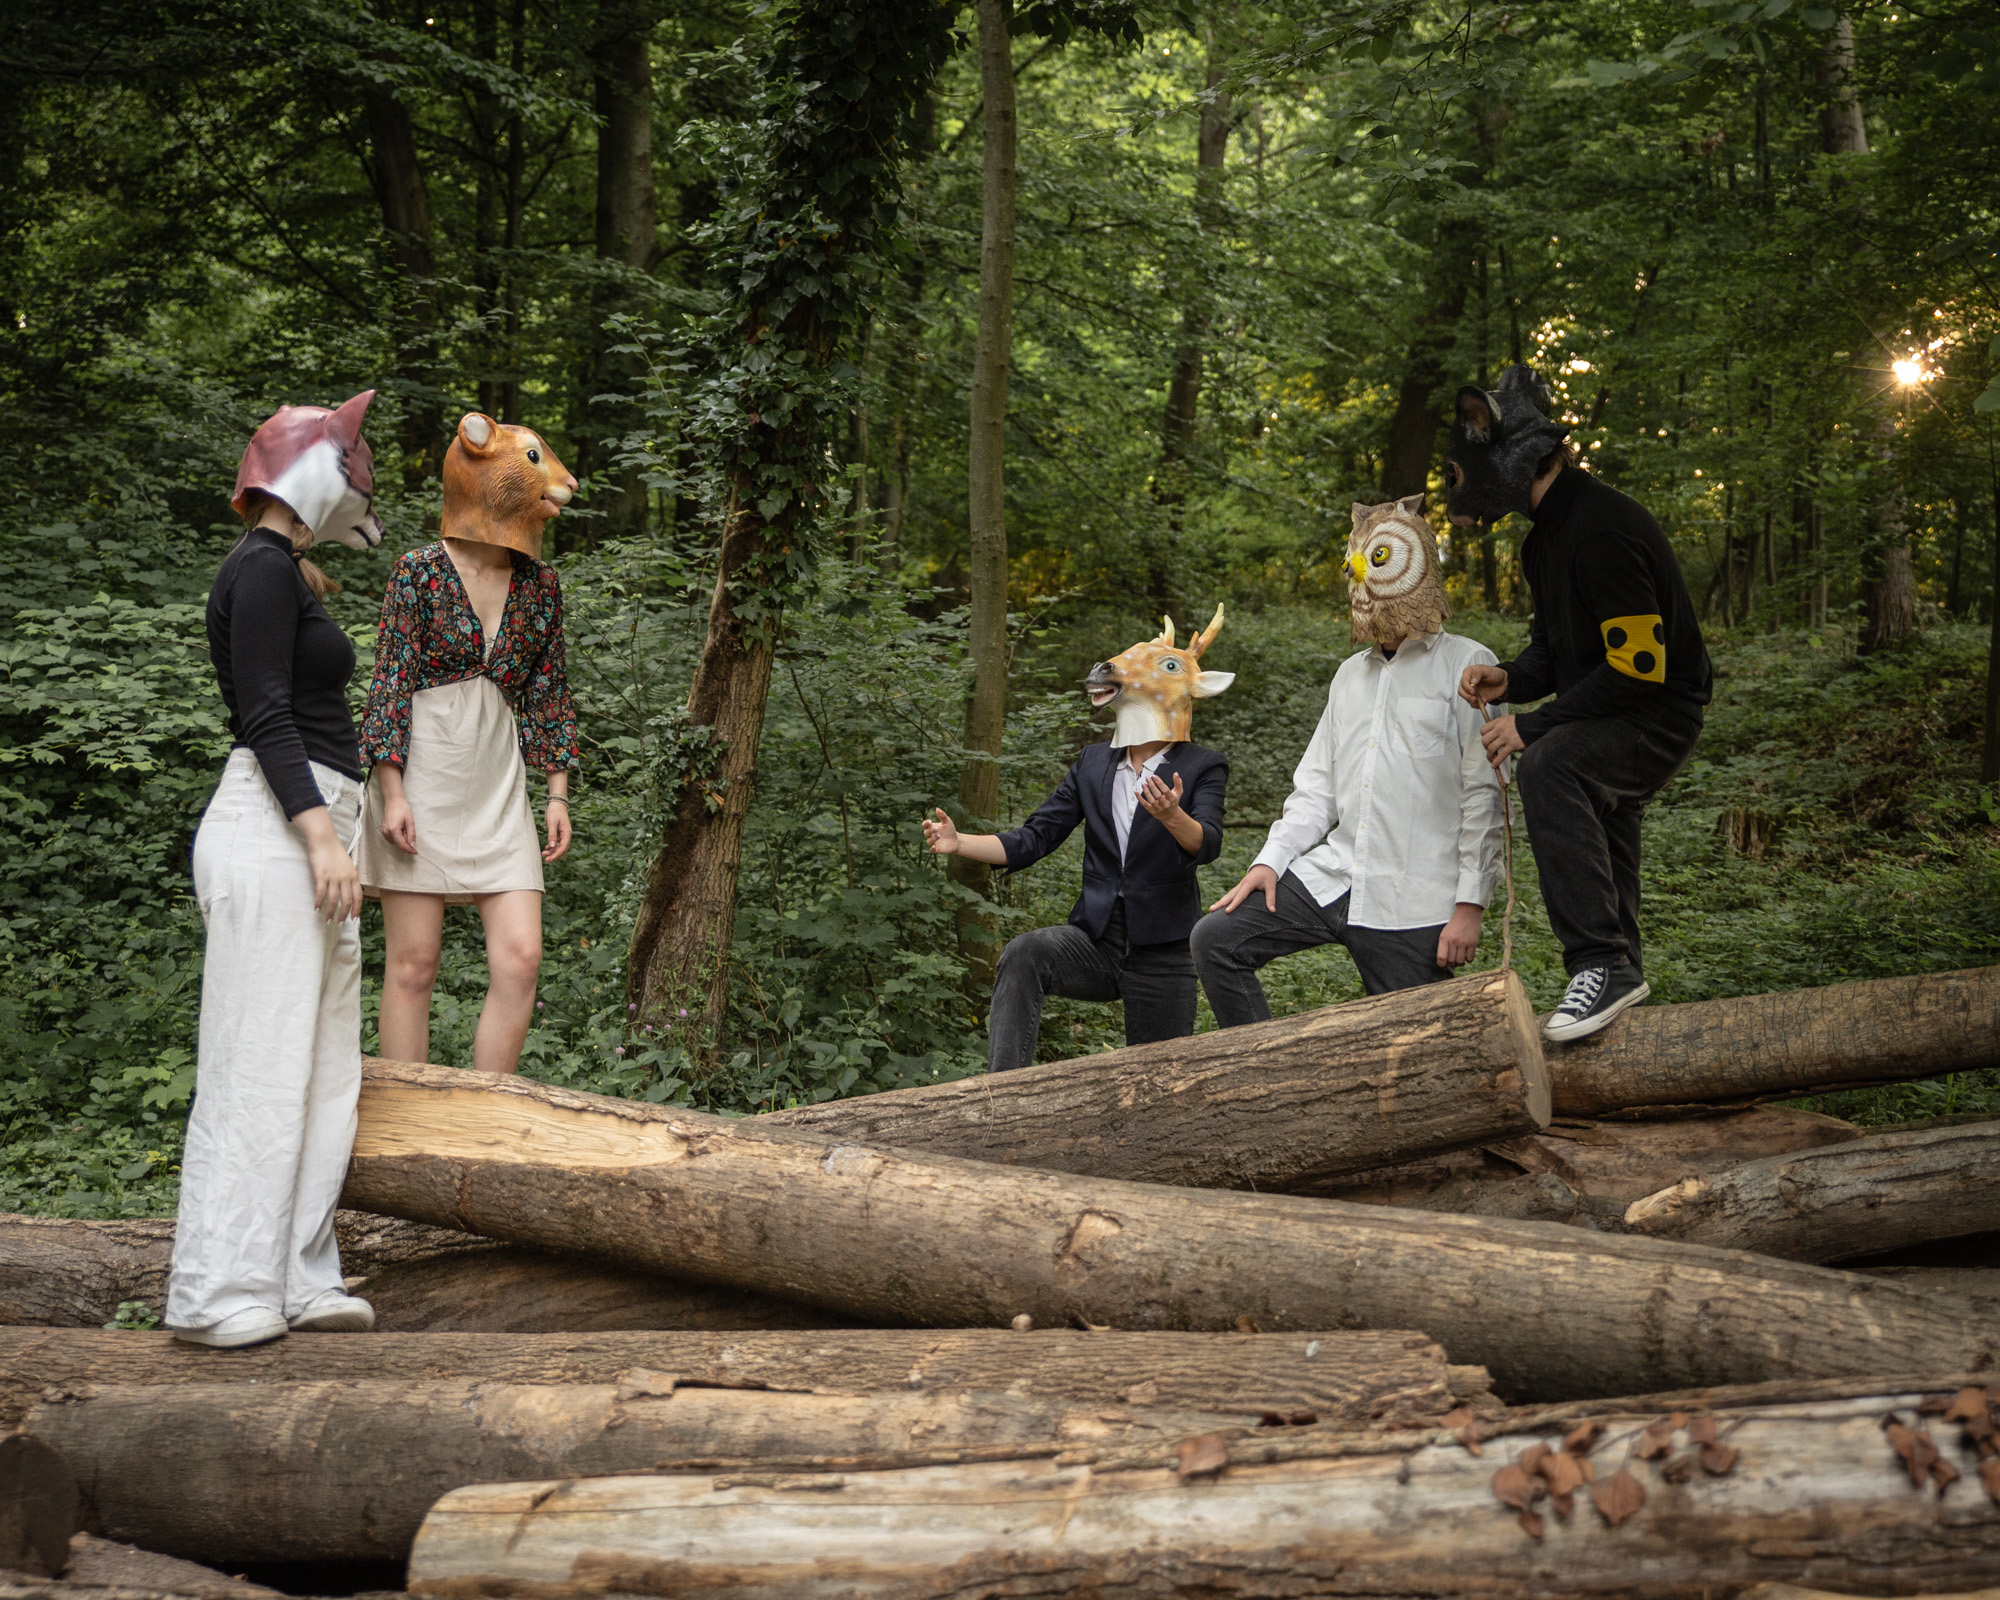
pixel 1637 647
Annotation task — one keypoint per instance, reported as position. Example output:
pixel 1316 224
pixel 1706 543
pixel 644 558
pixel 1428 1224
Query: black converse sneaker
pixel 1595 995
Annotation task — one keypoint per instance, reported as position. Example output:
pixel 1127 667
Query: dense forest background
pixel 1755 249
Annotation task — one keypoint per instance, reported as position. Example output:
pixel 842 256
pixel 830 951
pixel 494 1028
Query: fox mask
pixel 1154 686
pixel 502 485
pixel 317 463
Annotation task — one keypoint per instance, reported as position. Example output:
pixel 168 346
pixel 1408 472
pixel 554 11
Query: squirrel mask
pixel 502 484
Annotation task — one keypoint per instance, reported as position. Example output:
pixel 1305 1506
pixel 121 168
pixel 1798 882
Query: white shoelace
pixel 1583 990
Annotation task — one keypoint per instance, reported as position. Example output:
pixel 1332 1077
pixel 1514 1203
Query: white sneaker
pixel 252 1325
pixel 334 1312
pixel 1595 996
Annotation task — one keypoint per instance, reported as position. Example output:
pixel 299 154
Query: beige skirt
pixel 468 792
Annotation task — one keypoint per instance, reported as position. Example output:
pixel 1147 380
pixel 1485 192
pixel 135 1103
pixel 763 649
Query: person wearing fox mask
pixel 470 689
pixel 1151 806
pixel 278 1073
pixel 1390 840
pixel 1615 640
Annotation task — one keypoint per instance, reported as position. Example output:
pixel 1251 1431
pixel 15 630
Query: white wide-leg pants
pixel 279 1068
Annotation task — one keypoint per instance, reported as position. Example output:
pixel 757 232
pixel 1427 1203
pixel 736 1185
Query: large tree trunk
pixel 1841 129
pixel 1350 1378
pixel 346 1471
pixel 1854 1199
pixel 404 197
pixel 1798 1041
pixel 1810 1491
pixel 986 713
pixel 1989 757
pixel 627 236
pixel 1586 1173
pixel 1413 429
pixel 1260 1107
pixel 71 1274
pixel 677 966
pixel 892 1237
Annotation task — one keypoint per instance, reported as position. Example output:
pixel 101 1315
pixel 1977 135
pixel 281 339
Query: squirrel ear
pixel 1411 504
pixel 476 431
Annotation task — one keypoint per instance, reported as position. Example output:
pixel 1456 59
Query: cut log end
pixel 40 1508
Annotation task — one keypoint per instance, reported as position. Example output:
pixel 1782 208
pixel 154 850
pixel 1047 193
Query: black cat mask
pixel 1498 439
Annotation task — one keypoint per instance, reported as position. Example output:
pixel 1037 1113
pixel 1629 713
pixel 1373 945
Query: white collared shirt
pixel 1393 800
pixel 1125 792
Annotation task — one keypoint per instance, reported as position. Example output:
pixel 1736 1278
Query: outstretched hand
pixel 1157 798
pixel 1258 877
pixel 941 835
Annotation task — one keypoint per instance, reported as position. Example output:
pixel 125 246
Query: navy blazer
pixel 1157 877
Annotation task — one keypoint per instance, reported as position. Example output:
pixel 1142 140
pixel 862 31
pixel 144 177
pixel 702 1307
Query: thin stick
pixel 1506 856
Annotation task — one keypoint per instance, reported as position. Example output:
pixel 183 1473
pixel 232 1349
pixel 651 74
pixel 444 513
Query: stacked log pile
pixel 1225 1313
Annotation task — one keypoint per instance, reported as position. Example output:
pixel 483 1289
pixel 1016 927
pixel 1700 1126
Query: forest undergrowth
pixel 1829 827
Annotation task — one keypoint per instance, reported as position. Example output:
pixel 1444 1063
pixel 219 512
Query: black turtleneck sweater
pixel 1614 632
pixel 283 665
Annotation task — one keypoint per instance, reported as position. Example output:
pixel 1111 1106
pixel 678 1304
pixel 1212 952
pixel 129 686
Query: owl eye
pixel 1170 665
pixel 1379 555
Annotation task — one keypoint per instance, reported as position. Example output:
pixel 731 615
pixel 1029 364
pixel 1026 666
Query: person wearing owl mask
pixel 1390 841
pixel 1615 640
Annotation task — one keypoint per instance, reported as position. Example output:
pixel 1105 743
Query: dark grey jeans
pixel 1584 787
pixel 1156 982
pixel 1229 947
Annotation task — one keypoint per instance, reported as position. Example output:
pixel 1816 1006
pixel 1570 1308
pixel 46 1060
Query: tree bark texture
pixel 627 226
pixel 986 712
pixel 1351 1378
pixel 134 1574
pixel 1413 429
pixel 1183 412
pixel 1854 1199
pixel 1587 1173
pixel 1336 1090
pixel 930 1240
pixel 1841 129
pixel 1814 1491
pixel 404 197
pixel 1798 1041
pixel 679 954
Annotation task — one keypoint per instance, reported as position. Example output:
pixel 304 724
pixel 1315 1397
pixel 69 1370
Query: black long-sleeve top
pixel 283 665
pixel 1614 633
pixel 1156 876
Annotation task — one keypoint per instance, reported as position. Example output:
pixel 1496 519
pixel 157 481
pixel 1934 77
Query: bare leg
pixel 513 957
pixel 413 925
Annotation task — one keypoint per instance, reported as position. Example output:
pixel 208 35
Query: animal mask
pixel 317 463
pixel 501 485
pixel 1497 441
pixel 1394 587
pixel 1154 686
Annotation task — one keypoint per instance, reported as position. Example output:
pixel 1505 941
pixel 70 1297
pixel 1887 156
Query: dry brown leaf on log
pixel 1916 1449
pixel 1562 1472
pixel 1530 1459
pixel 1657 1440
pixel 1513 1486
pixel 1701 1431
pixel 1203 1456
pixel 1678 1470
pixel 1618 1496
pixel 1718 1460
pixel 1531 1522
pixel 1944 1474
pixel 1583 1438
pixel 1462 1426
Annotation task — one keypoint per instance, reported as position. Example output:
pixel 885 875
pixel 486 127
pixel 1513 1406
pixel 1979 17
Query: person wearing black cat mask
pixel 1614 638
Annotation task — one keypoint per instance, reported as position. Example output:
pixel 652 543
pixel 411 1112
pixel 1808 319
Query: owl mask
pixel 1394 588
pixel 1154 686
pixel 1498 440
pixel 317 463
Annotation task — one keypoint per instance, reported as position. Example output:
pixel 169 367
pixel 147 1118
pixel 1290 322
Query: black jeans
pixel 1229 947
pixel 1156 982
pixel 1584 787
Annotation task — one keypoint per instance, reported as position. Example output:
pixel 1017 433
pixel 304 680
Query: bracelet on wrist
pixel 556 800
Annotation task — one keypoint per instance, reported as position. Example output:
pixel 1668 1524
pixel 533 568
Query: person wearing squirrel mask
pixel 470 690
pixel 278 1072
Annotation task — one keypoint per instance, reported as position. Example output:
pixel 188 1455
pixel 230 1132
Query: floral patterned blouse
pixel 431 636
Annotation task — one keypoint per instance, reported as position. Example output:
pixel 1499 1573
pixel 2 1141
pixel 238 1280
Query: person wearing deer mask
pixel 1615 639
pixel 1390 841
pixel 470 690
pixel 278 1072
pixel 1151 807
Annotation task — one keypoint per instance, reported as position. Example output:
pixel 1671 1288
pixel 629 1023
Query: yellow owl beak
pixel 1357 567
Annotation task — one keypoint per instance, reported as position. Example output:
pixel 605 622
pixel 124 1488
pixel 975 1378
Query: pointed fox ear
pixel 345 424
pixel 476 432
pixel 1411 505
pixel 1210 683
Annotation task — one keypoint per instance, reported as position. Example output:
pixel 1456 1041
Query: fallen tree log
pixel 1340 1089
pixel 1853 1199
pixel 1353 1377
pixel 1771 1046
pixel 1586 1172
pixel 1797 1492
pixel 62 1273
pixel 894 1237
pixel 346 1471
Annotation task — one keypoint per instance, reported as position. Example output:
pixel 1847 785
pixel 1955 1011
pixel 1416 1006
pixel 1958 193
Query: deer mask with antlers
pixel 1154 686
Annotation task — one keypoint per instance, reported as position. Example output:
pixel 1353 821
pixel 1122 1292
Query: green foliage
pixel 134 1316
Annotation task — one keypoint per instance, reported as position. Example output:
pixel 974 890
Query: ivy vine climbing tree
pixel 799 239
